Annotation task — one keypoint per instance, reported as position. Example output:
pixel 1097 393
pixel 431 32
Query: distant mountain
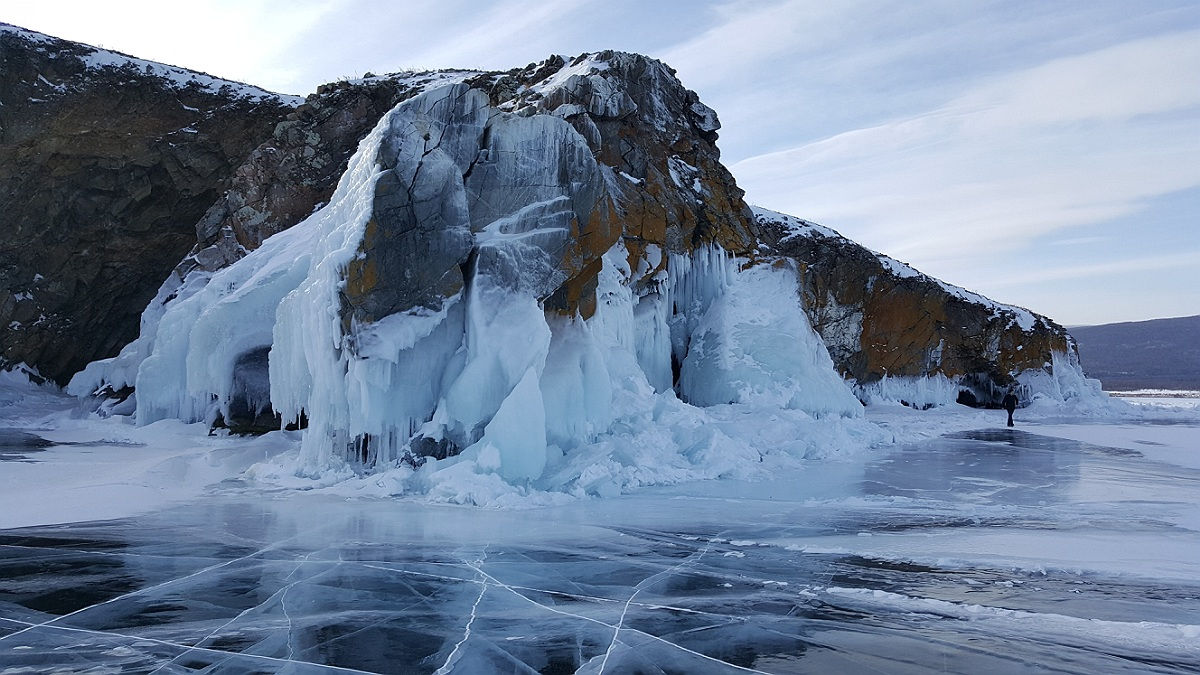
pixel 1157 354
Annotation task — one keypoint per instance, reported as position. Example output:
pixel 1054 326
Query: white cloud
pixel 1160 263
pixel 1007 161
pixel 1141 77
pixel 751 33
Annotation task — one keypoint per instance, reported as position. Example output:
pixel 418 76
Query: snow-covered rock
pixel 541 278
pixel 484 283
pixel 901 335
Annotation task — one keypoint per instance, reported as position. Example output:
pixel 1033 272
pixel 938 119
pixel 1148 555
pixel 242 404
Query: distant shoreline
pixel 1156 393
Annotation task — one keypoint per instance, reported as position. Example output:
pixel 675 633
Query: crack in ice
pixel 147 589
pixel 207 650
pixel 474 609
pixel 514 590
pixel 638 589
pixel 281 593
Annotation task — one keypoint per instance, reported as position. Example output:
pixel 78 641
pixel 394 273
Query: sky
pixel 1045 154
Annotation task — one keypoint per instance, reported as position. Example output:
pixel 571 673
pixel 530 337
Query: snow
pixel 589 66
pixel 180 78
pixel 422 80
pixel 796 227
pixel 107 467
pixel 24 34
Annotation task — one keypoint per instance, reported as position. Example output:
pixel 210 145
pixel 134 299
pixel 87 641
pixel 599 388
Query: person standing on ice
pixel 1010 404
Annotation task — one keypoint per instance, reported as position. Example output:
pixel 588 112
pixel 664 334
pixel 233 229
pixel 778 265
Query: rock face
pixel 294 171
pixel 629 119
pixel 506 264
pixel 501 247
pixel 881 318
pixel 106 164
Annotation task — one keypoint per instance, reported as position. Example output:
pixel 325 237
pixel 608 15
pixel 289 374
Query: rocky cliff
pixel 496 236
pixel 106 164
pixel 492 230
pixel 879 318
pixel 883 319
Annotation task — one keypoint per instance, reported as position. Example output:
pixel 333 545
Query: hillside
pixel 1157 354
pixel 106 164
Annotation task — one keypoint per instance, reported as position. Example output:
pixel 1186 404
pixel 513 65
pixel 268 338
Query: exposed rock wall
pixel 106 165
pixel 296 169
pixel 115 169
pixel 881 318
pixel 625 107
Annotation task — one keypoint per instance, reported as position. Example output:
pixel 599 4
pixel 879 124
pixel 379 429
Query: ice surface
pixel 992 550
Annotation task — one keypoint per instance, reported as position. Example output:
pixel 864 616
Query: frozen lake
pixel 992 551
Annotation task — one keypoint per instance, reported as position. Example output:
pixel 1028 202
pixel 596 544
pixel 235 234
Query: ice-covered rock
pixel 541 278
pixel 901 335
pixel 487 280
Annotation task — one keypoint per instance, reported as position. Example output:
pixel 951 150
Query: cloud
pixel 1160 263
pixel 531 25
pixel 1066 143
pixel 1140 77
pixel 751 33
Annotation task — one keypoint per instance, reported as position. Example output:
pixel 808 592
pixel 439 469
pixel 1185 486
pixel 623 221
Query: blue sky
pixel 1045 154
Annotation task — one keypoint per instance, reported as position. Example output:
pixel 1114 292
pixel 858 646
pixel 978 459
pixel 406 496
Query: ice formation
pixel 415 323
pixel 485 369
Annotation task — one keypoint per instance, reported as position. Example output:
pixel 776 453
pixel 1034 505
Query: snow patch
pixel 179 78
